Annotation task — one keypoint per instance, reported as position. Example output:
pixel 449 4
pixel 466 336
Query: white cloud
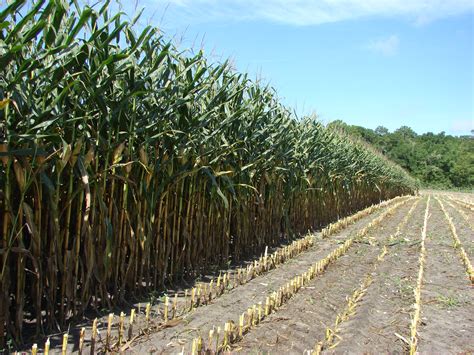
pixel 386 46
pixel 311 12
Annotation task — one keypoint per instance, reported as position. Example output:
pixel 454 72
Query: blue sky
pixel 366 62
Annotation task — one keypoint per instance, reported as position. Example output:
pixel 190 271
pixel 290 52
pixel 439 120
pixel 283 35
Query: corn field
pixel 127 163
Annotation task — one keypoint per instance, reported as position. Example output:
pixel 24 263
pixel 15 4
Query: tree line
pixel 437 160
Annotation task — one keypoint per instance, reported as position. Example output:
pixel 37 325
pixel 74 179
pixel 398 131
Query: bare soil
pixel 313 310
pixel 464 228
pixel 447 310
pixel 382 321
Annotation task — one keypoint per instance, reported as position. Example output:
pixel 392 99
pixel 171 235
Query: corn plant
pixel 127 163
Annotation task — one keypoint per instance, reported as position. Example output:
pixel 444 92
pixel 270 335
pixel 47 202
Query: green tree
pixel 437 160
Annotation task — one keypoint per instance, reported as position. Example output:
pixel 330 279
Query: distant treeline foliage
pixel 437 160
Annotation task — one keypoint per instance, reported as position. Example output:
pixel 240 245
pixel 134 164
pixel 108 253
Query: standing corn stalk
pixel 126 163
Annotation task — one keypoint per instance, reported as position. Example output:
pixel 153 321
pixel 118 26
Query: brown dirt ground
pixel 463 228
pixel 386 307
pixel 383 315
pixel 304 319
pixel 447 310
